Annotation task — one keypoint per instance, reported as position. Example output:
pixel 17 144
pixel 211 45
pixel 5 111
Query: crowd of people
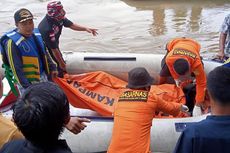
pixel 24 51
pixel 42 111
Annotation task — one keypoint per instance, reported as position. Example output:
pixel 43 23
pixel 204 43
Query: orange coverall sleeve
pixel 171 108
pixel 200 83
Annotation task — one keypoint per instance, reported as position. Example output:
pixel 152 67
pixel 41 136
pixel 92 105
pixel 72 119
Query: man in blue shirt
pixel 24 51
pixel 211 135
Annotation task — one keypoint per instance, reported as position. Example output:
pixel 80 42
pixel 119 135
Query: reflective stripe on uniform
pixel 9 50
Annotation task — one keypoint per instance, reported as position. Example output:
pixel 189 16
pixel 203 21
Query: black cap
pixel 139 78
pixel 22 15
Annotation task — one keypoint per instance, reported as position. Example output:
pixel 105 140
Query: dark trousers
pixel 190 94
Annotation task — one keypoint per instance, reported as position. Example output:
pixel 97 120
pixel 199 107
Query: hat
pixel 22 15
pixel 53 8
pixel 139 78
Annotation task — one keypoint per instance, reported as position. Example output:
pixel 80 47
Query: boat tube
pixel 96 136
pixel 119 64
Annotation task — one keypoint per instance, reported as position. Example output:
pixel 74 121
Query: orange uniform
pixel 133 114
pixel 187 49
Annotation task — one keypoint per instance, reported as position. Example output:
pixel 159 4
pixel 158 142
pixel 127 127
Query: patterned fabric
pixel 55 10
pixel 225 28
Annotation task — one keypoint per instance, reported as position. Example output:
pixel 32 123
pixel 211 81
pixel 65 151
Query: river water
pixel 136 26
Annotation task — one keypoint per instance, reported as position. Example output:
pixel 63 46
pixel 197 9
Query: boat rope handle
pixel 10 78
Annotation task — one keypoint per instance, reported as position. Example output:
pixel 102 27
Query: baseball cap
pixel 139 78
pixel 22 15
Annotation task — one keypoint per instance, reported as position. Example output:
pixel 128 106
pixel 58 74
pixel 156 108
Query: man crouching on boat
pixel 183 63
pixel 134 111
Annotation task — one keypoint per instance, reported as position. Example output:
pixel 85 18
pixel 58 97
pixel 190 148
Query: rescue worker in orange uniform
pixel 181 62
pixel 134 111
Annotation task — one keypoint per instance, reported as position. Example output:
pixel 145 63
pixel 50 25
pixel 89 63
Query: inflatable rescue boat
pixel 97 135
